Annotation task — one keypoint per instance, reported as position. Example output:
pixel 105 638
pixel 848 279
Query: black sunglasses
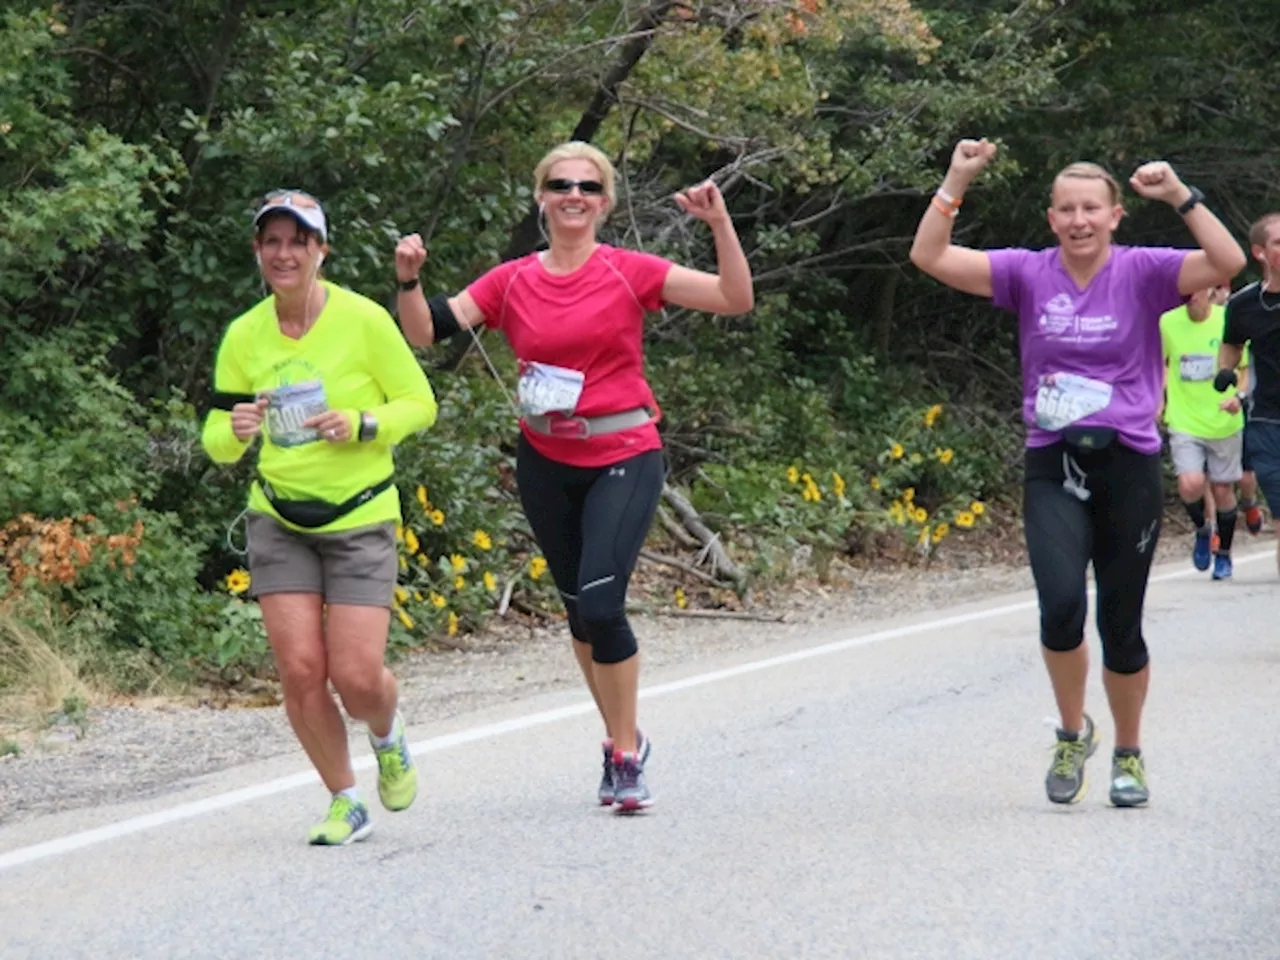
pixel 589 188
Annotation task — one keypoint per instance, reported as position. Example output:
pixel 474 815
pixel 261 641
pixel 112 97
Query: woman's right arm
pixel 228 433
pixel 415 312
pixel 932 251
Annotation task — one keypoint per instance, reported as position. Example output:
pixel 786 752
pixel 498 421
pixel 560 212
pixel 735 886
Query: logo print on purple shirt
pixel 1059 316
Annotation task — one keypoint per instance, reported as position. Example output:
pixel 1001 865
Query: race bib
pixel 1064 398
pixel 1196 367
pixel 288 408
pixel 544 389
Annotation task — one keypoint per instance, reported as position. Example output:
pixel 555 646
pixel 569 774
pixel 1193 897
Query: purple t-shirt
pixel 1106 338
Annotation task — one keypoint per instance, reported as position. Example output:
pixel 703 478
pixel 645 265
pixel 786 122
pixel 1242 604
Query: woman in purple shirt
pixel 1089 331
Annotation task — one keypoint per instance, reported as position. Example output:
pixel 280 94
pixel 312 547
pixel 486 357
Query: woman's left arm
pixel 730 290
pixel 1220 257
pixel 411 403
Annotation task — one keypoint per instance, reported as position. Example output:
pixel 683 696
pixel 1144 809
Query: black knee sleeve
pixel 575 618
pixel 1126 654
pixel 1061 621
pixel 611 638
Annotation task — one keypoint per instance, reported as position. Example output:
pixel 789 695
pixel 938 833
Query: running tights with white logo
pixel 591 523
pixel 1109 512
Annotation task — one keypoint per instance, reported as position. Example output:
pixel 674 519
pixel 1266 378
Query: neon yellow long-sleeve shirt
pixel 352 359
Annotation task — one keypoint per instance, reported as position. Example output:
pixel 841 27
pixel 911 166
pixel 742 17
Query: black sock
pixel 1195 511
pixel 1128 751
pixel 1226 529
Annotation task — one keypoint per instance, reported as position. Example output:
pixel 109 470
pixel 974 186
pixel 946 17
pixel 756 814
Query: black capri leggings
pixel 1100 505
pixel 591 523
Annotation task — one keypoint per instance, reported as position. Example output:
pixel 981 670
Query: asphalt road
pixel 873 793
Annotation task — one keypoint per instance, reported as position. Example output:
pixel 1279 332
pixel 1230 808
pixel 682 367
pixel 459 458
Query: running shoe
pixel 630 791
pixel 348 821
pixel 606 791
pixel 397 775
pixel 1253 519
pixel 1066 781
pixel 1128 780
pixel 1222 566
pixel 1200 552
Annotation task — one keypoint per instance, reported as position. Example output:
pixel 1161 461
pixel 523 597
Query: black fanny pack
pixel 1088 439
pixel 310 514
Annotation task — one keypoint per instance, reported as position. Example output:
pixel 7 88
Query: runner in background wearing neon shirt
pixel 1089 329
pixel 1253 320
pixel 1205 429
pixel 324 379
pixel 590 465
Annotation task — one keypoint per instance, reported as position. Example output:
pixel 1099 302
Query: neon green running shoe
pixel 397 776
pixel 348 821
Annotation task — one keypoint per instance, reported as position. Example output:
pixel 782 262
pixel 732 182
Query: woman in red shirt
pixel 590 465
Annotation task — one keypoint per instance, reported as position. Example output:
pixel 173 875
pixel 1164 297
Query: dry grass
pixel 37 677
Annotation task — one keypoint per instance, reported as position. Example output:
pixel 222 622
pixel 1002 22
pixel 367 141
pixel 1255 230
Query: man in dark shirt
pixel 1253 317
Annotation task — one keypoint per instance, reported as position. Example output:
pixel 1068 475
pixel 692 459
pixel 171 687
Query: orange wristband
pixel 942 207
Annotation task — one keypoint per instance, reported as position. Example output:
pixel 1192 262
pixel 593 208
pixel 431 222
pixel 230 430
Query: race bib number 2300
pixel 288 408
pixel 1065 398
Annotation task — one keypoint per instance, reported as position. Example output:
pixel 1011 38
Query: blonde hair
pixel 578 150
pixel 1261 228
pixel 1083 170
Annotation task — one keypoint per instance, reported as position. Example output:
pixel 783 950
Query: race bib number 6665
pixel 1065 398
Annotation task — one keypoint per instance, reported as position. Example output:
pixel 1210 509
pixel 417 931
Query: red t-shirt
pixel 591 320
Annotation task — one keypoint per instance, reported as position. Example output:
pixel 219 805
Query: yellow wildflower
pixel 916 458
pixel 404 564
pixel 681 600
pixel 401 594
pixel 940 531
pixel 908 494
pixel 404 618
pixel 964 519
pixel 458 583
pixel 793 475
pixel 924 535
pixel 237 581
pixel 932 414
pixel 452 627
pixel 537 567
pixel 837 482
pixel 490 581
pixel 411 541
pixel 437 601
pixel 896 451
pixel 898 513
pixel 400 531
pixel 437 517
pixel 977 508
pixel 920 515
pixel 944 457
pixel 421 494
pixel 458 562
pixel 875 483
pixel 481 540
pixel 417 596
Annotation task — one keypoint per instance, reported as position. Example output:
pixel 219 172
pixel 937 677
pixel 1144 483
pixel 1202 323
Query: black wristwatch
pixel 406 285
pixel 368 427
pixel 1197 196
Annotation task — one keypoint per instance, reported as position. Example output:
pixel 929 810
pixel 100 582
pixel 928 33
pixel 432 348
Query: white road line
pixel 234 798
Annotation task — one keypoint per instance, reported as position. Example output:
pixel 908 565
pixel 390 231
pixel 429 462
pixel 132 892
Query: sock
pixel 1196 512
pixel 351 793
pixel 390 738
pixel 1247 503
pixel 1128 751
pixel 1226 529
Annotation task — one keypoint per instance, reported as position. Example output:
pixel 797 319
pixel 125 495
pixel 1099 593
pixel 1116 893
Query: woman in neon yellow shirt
pixel 324 378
